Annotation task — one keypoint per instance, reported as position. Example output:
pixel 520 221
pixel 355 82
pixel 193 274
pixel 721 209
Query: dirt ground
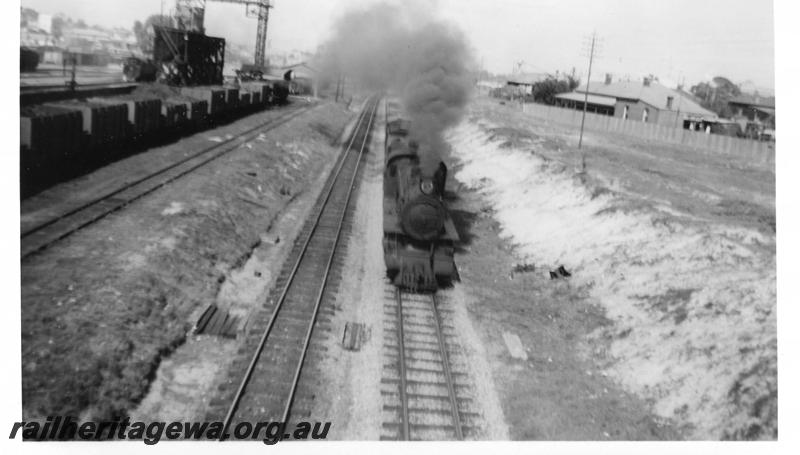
pixel 666 328
pixel 556 392
pixel 104 308
pixel 550 391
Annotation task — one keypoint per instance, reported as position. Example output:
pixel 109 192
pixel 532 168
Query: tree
pixel 28 16
pixel 139 32
pixel 545 91
pixel 726 86
pixel 57 27
pixel 716 94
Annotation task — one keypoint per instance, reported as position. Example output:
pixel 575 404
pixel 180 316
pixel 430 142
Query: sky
pixel 677 40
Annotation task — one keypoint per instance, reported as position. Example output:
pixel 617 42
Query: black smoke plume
pixel 406 51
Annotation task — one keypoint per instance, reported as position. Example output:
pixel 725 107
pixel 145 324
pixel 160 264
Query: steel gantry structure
pixel 190 14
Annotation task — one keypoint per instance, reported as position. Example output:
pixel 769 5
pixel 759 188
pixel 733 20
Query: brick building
pixel 645 101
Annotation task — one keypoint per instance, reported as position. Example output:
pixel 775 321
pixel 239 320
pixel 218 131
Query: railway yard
pixel 237 274
pixel 386 239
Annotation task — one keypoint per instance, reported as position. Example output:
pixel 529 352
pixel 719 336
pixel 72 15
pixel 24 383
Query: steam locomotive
pixel 418 232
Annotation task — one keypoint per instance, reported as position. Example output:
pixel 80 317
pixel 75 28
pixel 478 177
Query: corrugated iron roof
pixel 299 65
pixel 753 100
pixel 592 99
pixel 765 110
pixel 654 94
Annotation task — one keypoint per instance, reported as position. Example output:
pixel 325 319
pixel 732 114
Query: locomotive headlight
pixel 426 186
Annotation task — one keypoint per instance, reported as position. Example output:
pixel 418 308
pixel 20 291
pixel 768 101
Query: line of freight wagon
pixel 80 133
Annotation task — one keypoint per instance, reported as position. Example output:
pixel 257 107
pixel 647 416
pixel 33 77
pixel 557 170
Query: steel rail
pixel 55 88
pixel 451 392
pixel 273 122
pixel 401 363
pixel 318 302
pixel 446 367
pixel 93 219
pixel 281 299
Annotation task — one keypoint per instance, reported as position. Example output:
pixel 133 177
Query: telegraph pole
pixel 586 94
pixel 593 50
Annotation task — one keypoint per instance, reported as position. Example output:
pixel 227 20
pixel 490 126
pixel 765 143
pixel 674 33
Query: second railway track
pixel 278 336
pixel 424 383
pixel 44 234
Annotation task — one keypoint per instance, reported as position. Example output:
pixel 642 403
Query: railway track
pixel 33 88
pixel 279 335
pixel 44 234
pixel 424 381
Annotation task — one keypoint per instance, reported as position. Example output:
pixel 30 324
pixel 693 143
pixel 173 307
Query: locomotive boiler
pixel 419 233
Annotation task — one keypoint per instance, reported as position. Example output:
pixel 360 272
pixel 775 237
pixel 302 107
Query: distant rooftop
pixel 653 94
pixel 754 100
pixel 592 99
pixel 526 78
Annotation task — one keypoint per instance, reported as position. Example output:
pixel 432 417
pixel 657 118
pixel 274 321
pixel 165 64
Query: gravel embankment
pixel 677 248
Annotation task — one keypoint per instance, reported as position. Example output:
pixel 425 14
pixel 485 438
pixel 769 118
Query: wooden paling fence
pixel 759 153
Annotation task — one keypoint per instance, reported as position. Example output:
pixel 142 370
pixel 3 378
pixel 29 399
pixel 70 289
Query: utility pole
pixel 593 50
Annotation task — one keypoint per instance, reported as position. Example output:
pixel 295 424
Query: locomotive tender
pixel 418 232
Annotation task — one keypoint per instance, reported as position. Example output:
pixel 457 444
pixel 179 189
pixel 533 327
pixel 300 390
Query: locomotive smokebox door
pixel 423 218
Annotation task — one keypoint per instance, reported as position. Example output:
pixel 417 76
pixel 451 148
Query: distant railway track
pixel 33 88
pixel 422 387
pixel 45 234
pixel 277 340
